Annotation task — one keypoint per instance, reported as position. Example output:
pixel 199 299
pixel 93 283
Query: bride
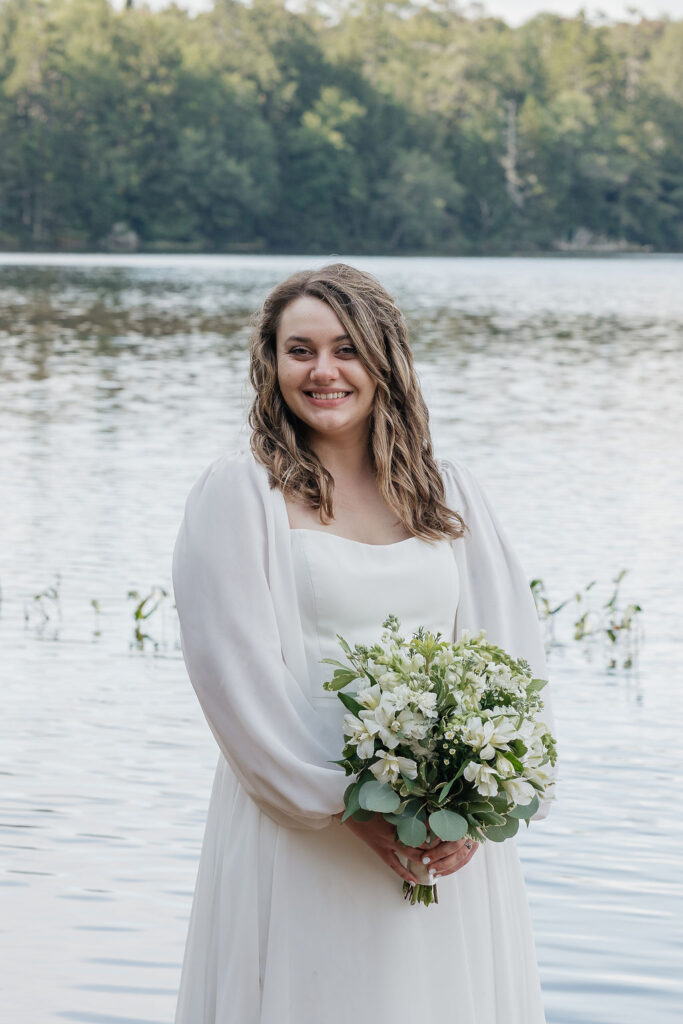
pixel 338 515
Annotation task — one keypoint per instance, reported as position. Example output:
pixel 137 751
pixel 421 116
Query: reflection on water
pixel 558 381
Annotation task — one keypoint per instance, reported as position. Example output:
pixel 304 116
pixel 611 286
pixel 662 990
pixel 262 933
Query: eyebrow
pixel 298 337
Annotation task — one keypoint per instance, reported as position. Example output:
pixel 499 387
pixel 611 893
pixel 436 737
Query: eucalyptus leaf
pixel 448 825
pixel 378 796
pixel 361 815
pixel 351 800
pixel 524 812
pixel 411 831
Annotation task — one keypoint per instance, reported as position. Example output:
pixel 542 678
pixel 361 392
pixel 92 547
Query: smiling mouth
pixel 327 396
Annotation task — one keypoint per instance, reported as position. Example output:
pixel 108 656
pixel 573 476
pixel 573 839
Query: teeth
pixel 330 394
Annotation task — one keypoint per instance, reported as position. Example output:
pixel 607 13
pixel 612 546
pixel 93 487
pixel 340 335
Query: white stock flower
pixel 390 766
pixel 519 791
pixel 425 700
pixel 413 727
pixel 412 664
pixel 401 696
pixel 388 679
pixel 483 777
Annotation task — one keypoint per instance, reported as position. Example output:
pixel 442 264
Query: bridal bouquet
pixel 442 736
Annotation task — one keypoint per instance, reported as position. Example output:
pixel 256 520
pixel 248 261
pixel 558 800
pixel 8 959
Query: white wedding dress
pixel 308 925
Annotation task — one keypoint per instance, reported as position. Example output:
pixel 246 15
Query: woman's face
pixel 316 361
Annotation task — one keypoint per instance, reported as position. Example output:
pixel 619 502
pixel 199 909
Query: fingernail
pixel 426 860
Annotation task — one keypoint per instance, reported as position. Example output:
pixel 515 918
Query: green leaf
pixel 361 815
pixel 350 702
pixel 378 796
pixel 443 795
pixel 524 812
pixel 351 800
pixel 415 808
pixel 514 761
pixel 536 685
pixel 342 677
pixel 499 833
pixel 488 818
pixel 411 831
pixel 448 825
pixel 475 806
pixel 343 644
pixel 333 661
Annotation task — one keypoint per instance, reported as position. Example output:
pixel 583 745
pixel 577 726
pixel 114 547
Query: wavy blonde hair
pixel 399 441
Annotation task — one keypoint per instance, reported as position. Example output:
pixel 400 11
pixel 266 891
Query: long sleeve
pixel 256 709
pixel 495 592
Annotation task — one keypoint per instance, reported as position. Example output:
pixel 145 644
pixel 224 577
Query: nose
pixel 324 369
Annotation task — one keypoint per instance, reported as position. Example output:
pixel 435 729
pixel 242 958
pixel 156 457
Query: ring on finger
pixel 468 844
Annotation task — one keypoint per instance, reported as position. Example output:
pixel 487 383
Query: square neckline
pixel 350 540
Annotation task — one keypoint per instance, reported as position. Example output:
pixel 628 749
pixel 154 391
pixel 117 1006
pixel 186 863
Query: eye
pixel 296 350
pixel 350 349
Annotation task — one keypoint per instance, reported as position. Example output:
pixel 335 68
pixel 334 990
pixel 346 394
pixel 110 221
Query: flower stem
pixel 420 894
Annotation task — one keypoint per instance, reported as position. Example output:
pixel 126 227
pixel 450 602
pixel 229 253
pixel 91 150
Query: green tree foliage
pixel 370 126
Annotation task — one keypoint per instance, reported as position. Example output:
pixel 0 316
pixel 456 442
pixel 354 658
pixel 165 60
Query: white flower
pixel 359 734
pixel 388 679
pixel 504 732
pixel 483 777
pixel 369 696
pixel 477 734
pixel 413 727
pixel 425 700
pixel 390 766
pixel 413 664
pixel 401 696
pixel 519 791
pixel 503 766
pixel 544 775
pixel 383 722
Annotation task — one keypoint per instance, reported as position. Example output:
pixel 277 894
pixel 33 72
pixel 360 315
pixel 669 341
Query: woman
pixel 337 516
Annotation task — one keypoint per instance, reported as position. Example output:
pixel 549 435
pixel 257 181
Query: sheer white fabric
pixel 294 920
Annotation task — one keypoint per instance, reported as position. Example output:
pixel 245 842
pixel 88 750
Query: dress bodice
pixel 348 587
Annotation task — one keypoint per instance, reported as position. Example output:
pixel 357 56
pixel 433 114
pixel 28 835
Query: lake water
pixel 558 381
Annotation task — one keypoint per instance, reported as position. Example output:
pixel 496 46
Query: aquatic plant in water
pixel 144 609
pixel 617 625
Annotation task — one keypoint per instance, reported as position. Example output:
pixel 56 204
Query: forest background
pixel 364 127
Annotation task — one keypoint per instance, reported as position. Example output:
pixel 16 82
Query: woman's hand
pixel 379 835
pixel 444 858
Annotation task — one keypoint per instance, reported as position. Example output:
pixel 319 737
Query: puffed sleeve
pixel 256 709
pixel 495 591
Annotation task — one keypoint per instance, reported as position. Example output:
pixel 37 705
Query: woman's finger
pixel 395 864
pixel 458 860
pixel 447 850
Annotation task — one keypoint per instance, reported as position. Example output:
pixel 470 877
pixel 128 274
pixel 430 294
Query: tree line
pixel 370 126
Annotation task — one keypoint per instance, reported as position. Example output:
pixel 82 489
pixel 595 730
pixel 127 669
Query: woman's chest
pixel 350 588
